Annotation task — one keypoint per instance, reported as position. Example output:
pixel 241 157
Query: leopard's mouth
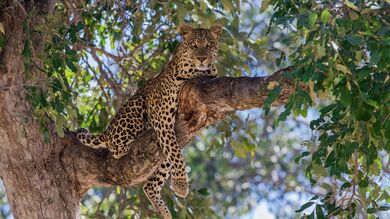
pixel 202 67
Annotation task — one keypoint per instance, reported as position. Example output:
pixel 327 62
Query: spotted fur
pixel 155 105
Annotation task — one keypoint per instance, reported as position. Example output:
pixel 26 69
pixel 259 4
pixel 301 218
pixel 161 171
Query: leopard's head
pixel 199 47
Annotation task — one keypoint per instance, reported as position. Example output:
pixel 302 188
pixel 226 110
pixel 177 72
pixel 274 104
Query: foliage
pixel 98 52
pixel 343 55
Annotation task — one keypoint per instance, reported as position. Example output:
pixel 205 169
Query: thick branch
pixel 203 101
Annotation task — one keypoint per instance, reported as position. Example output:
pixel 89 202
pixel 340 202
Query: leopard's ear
pixel 216 30
pixel 185 29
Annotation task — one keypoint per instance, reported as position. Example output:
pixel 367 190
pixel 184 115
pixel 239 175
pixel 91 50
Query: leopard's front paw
pixel 180 186
pixel 81 131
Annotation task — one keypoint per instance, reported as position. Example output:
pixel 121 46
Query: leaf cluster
pixel 343 57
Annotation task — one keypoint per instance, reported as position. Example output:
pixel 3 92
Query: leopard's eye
pixel 192 44
pixel 209 44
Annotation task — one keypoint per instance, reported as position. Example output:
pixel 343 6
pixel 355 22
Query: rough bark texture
pixel 48 180
pixel 36 182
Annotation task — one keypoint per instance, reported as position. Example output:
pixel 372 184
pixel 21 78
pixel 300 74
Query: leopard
pixel 155 106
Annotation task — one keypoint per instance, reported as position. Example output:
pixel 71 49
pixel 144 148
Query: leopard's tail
pixel 90 140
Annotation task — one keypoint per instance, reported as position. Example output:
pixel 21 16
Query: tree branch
pixel 203 101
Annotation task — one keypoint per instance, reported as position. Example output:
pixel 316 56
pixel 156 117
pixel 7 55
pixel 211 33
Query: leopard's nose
pixel 202 58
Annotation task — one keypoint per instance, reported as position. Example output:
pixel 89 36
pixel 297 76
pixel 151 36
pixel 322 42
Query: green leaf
pixel 343 69
pixel 384 208
pixel 264 5
pixel 305 206
pixel 363 114
pixel 325 15
pixel 330 159
pixel 303 154
pixel 369 101
pixel 327 186
pixel 354 39
pixel 240 149
pixel 227 5
pixel 375 193
pixel 70 65
pixel 375 57
pixel 319 52
pixel 26 50
pixel 351 5
pixel 327 109
pixel 272 95
pixel 319 212
pixel 63 86
pixel 387 129
pixel 60 121
pixel 2 41
pixel 312 19
pixel 203 191
pixel 345 185
pixel 363 182
pixel 283 115
pixel 319 170
pixel 56 60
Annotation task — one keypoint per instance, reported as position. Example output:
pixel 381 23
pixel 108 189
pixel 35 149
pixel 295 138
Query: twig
pixel 105 195
pixel 112 83
pixel 122 198
pixel 98 81
pixel 108 54
pixel 354 180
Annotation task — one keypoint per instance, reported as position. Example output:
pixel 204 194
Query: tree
pixel 66 64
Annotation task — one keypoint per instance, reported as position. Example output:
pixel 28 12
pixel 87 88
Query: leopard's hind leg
pixel 179 179
pixel 152 189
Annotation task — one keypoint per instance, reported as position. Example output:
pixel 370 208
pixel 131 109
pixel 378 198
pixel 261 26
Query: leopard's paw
pixel 180 186
pixel 82 131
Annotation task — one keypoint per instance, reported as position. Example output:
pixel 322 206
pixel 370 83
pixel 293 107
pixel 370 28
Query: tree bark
pixel 35 179
pixel 47 180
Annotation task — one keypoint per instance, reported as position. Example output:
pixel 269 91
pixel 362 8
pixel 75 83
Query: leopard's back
pixel 128 123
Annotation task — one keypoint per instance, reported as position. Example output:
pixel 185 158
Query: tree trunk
pixel 47 180
pixel 35 179
pixel 38 188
